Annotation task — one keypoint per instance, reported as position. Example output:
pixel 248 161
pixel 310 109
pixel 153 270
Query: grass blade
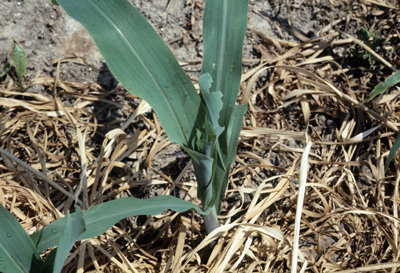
pixel 103 216
pixel 383 86
pixel 17 251
pixel 393 150
pixel 142 62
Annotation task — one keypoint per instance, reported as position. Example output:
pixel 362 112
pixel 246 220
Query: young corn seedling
pixel 205 125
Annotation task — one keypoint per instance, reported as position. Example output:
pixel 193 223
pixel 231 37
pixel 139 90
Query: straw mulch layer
pixel 306 104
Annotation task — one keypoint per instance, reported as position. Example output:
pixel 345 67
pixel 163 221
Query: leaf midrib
pixel 148 70
pixel 222 47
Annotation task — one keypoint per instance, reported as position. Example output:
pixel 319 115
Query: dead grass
pixel 335 207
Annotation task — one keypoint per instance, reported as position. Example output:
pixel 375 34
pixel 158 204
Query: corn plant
pixel 205 125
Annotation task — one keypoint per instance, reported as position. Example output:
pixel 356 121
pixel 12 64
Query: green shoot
pixel 393 150
pixel 383 86
pixel 20 61
pixel 379 89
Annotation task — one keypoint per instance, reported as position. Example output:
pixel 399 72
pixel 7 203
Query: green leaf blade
pixel 204 169
pixel 20 61
pixel 233 131
pixel 212 101
pixel 392 152
pixel 103 216
pixel 17 251
pixel 141 61
pixel 73 228
pixel 225 24
pixel 227 152
pixel 383 86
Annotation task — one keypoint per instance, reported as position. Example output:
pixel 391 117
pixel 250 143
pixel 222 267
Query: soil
pixel 276 28
pixel 46 32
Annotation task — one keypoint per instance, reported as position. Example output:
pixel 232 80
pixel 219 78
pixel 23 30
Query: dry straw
pixel 67 139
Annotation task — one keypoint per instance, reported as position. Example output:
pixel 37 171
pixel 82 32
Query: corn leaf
pixel 142 63
pixel 17 251
pixel 71 231
pixel 204 169
pixel 227 154
pixel 225 24
pixel 49 263
pixel 383 86
pixel 101 217
pixel 204 161
pixel 233 131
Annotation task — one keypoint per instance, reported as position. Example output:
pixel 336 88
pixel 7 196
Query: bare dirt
pixel 350 216
pixel 46 32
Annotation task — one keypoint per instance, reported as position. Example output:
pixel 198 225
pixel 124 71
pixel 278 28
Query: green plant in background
pixel 206 126
pixel 379 89
pixel 383 86
pixel 19 61
pixel 373 40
